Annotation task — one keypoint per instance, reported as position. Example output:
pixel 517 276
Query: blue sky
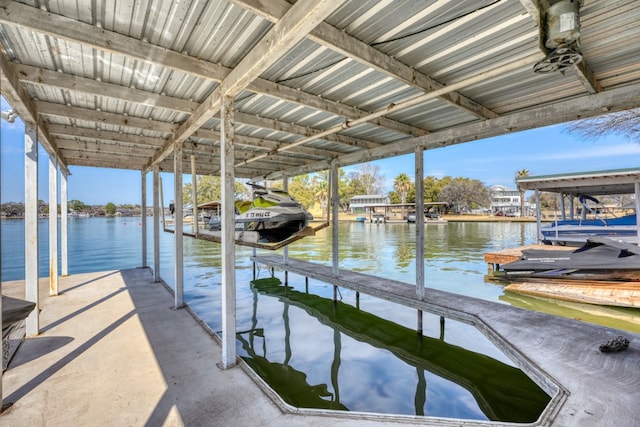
pixel 543 151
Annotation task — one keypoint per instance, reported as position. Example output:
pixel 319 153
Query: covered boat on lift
pixel 273 214
pixel 575 232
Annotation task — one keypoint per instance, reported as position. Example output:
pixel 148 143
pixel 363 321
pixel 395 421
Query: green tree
pixel 76 205
pixel 210 189
pixel 402 184
pixel 465 193
pixel 110 209
pixel 522 173
pixel 321 193
pixel 300 189
pixel 433 186
pixel 352 187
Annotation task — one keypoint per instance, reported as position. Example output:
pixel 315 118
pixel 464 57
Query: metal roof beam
pixel 266 144
pixel 289 30
pixel 308 133
pixel 99 147
pixel 498 71
pixel 15 94
pixel 44 77
pixel 109 164
pixel 101 117
pixel 103 135
pixel 591 105
pixel 48 78
pixel 60 27
pixel 339 41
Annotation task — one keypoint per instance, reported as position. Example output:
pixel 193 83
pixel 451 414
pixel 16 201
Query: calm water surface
pixel 359 354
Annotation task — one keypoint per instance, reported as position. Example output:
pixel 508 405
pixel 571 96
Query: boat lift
pixel 242 238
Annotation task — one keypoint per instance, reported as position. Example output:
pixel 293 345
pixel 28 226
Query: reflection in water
pixel 289 383
pixel 501 391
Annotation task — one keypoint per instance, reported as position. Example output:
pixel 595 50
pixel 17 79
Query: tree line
pixel 458 193
pixel 16 209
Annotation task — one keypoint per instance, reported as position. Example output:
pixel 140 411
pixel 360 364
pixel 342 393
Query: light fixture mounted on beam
pixel 562 29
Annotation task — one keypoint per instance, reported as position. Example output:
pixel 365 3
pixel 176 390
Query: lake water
pixel 357 354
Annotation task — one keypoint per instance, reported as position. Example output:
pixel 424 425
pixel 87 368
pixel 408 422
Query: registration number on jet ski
pixel 264 214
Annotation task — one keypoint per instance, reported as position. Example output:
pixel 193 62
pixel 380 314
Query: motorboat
pixel 378 218
pixel 575 232
pixel 273 214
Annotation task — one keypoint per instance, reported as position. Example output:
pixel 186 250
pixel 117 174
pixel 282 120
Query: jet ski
pixel 598 257
pixel 272 213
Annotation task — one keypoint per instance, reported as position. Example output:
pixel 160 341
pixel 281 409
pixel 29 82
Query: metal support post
pixel 538 219
pixel 285 187
pixel 333 191
pixel 178 233
pixel 636 188
pixel 227 160
pixel 419 184
pixel 53 226
pixel 64 219
pixel 143 216
pixel 156 223
pixel 31 227
pixel 194 194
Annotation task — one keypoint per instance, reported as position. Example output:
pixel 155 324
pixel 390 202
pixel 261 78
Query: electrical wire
pixel 404 36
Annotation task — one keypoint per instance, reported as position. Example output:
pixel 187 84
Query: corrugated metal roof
pixel 597 183
pixel 117 83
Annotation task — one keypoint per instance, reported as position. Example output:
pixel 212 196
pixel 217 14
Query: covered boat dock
pixel 271 90
pixel 573 185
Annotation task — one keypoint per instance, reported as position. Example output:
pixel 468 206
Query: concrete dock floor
pixel 112 351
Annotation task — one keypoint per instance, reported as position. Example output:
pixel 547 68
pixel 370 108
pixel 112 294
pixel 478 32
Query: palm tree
pixel 321 194
pixel 402 185
pixel 521 174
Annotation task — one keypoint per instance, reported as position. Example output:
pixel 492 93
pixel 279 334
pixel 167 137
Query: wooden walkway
pixel 620 294
pixel 588 388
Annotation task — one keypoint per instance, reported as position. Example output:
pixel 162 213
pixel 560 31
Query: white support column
pixel 636 187
pixel 194 194
pixel 156 223
pixel 53 226
pixel 571 207
pixel 227 173
pixel 285 187
pixel 178 232
pixel 31 227
pixel 64 219
pixel 563 213
pixel 143 216
pixel 1 325
pixel 333 197
pixel 538 220
pixel 419 183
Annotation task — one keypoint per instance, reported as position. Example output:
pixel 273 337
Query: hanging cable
pixel 404 36
pixel 448 21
